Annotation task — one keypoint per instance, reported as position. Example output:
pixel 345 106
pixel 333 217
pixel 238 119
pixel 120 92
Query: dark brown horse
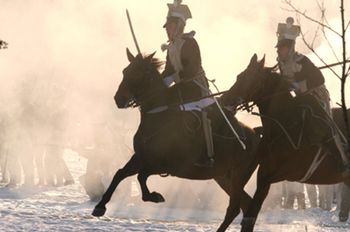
pixel 297 136
pixel 170 141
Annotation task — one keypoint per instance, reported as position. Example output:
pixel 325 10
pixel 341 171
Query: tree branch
pixel 289 3
pixel 332 65
pixel 344 75
pixel 324 20
pixel 347 26
pixel 330 45
pixel 318 56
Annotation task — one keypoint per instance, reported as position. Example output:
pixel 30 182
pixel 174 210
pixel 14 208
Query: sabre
pixel 223 114
pixel 132 32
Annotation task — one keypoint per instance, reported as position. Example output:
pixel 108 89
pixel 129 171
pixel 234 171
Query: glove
pixel 300 86
pixel 168 81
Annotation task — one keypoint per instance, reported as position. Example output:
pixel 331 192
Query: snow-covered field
pixel 68 208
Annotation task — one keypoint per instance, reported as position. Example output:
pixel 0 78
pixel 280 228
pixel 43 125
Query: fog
pixel 68 56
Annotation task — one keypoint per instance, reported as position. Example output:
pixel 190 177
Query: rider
pixel 305 77
pixel 183 72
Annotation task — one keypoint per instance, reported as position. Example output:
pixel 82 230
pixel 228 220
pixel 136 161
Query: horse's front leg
pixel 131 168
pixel 233 209
pixel 146 195
pixel 251 215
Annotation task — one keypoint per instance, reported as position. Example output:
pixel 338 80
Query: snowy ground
pixel 68 209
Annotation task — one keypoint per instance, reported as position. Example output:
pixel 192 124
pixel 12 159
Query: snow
pixel 67 208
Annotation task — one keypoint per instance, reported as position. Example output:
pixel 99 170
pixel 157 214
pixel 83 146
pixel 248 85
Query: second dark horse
pixel 170 141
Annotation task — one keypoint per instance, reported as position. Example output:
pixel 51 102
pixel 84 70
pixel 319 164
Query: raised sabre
pixel 132 32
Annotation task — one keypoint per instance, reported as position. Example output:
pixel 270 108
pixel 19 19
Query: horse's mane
pixel 271 73
pixel 271 70
pixel 155 62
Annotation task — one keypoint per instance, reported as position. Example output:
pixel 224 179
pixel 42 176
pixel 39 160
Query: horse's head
pixel 138 78
pixel 248 83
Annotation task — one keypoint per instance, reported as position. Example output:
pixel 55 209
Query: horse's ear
pixel 262 62
pixel 254 59
pixel 131 57
pixel 150 57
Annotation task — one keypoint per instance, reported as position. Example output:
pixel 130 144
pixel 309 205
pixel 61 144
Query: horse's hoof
pixel 157 197
pixel 343 217
pixel 99 212
pixel 154 197
pixel 247 224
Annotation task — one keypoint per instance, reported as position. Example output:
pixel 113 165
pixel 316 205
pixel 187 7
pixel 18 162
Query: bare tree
pixel 324 26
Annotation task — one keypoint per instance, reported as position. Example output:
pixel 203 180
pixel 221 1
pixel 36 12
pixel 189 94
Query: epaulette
pixel 188 35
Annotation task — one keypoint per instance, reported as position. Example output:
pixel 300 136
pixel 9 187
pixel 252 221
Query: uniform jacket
pixel 310 73
pixel 188 69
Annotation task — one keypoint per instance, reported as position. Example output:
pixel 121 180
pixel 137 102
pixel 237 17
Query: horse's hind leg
pixel 146 195
pixel 261 192
pixel 131 168
pixel 245 202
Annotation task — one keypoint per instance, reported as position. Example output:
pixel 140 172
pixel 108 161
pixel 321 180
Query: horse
pixel 170 141
pixel 294 145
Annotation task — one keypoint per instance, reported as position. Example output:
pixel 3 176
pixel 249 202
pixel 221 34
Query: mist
pixel 70 54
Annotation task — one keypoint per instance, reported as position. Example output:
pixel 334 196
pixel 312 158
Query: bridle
pixel 142 91
pixel 246 105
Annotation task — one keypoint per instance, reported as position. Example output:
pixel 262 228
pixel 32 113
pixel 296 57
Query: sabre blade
pixel 132 32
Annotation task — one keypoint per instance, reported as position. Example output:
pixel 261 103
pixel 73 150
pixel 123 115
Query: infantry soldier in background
pixel 3 150
pixel 294 191
pixel 57 172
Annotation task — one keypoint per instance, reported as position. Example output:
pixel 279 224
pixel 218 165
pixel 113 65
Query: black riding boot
pixel 209 159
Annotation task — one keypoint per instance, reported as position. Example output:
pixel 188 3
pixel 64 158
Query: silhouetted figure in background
pixel 20 159
pixel 344 203
pixel 326 194
pixel 101 138
pixel 311 191
pixel 57 172
pixel 3 150
pixel 274 199
pixel 294 192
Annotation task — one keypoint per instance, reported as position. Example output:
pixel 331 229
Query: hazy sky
pixel 82 42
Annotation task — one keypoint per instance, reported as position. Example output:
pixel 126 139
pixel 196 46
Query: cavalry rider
pixel 183 72
pixel 306 78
